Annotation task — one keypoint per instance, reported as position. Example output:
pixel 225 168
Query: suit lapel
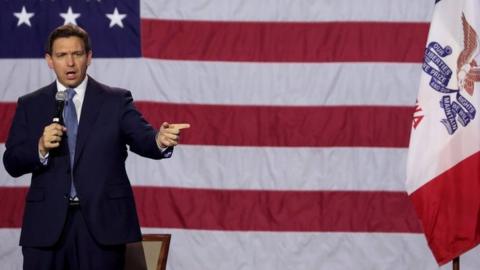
pixel 91 107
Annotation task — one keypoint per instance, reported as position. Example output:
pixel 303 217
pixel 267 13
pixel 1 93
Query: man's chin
pixel 71 83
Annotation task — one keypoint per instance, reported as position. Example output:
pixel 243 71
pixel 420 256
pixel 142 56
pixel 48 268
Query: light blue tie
pixel 71 123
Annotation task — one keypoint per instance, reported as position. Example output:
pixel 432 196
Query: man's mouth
pixel 71 75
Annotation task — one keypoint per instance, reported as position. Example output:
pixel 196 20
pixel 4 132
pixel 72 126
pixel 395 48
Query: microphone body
pixel 59 104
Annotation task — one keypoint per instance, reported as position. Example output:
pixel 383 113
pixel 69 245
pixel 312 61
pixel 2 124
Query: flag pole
pixel 456 263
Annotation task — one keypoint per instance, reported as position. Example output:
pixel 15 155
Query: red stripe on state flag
pixel 289 126
pixel 284 41
pixel 448 206
pixel 256 210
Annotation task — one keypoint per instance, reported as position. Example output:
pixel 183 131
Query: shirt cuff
pixel 43 159
pixel 160 147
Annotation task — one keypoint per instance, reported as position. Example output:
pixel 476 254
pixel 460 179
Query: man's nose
pixel 70 60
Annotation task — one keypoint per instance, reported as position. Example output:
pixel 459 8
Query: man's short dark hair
pixel 65 31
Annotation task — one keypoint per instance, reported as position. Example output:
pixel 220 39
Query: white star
pixel 23 17
pixel 70 17
pixel 116 18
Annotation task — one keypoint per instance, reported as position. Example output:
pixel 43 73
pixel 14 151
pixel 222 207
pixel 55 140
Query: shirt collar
pixel 80 89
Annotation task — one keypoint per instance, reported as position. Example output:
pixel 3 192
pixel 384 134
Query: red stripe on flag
pixel 7 111
pixel 284 41
pixel 348 126
pixel 448 206
pixel 12 203
pixel 245 210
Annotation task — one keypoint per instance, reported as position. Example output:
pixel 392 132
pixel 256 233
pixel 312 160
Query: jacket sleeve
pixel 141 136
pixel 21 154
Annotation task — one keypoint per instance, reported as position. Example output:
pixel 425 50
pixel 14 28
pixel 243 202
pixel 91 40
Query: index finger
pixel 56 126
pixel 179 126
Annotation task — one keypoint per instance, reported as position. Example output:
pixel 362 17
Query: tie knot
pixel 70 93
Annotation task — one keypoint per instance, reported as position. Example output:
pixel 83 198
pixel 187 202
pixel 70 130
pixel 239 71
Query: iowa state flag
pixel 443 175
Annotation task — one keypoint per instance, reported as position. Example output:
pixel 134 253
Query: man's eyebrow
pixel 70 52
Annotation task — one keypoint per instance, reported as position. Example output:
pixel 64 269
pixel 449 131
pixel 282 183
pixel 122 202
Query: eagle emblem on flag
pixel 456 106
pixel 468 71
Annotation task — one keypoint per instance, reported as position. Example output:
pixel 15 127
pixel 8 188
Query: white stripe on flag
pixel 268 168
pixel 10 251
pixel 192 249
pixel 293 10
pixel 234 83
pixel 274 168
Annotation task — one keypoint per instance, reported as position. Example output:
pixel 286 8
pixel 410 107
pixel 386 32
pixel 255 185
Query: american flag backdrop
pixel 301 113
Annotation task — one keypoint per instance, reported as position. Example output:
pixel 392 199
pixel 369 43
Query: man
pixel 79 211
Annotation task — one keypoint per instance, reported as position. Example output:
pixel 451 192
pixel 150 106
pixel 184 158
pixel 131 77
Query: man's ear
pixel 89 57
pixel 49 59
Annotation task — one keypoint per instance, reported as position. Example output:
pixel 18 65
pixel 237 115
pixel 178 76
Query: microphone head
pixel 60 96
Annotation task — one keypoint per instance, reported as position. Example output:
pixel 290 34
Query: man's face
pixel 69 60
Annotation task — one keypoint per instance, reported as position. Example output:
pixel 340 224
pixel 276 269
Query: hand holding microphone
pixel 52 134
pixel 51 138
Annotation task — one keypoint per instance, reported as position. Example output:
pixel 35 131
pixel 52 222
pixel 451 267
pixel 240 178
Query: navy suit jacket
pixel 108 123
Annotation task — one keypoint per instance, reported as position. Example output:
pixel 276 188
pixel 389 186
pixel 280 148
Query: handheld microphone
pixel 59 104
